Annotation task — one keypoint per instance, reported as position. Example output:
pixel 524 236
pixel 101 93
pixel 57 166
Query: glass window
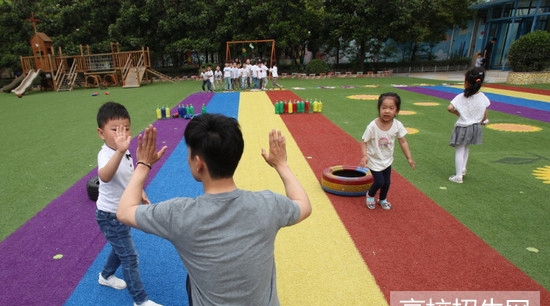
pixel 509 10
pixel 544 7
pixel 542 23
pixel 497 12
pixel 526 7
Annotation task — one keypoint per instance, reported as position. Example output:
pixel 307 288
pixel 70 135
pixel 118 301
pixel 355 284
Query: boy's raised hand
pixel 121 139
pixel 277 149
pixel 147 146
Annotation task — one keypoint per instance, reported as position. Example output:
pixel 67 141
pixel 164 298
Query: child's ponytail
pixel 473 78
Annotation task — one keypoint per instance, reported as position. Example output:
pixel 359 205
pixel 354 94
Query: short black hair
pixel 111 111
pixel 392 95
pixel 218 140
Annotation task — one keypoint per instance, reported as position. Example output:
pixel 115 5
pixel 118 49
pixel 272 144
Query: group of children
pixel 240 76
pixel 243 270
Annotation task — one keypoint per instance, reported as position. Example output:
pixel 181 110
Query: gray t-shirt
pixel 226 242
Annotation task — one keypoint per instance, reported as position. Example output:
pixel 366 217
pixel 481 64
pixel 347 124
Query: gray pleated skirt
pixel 466 135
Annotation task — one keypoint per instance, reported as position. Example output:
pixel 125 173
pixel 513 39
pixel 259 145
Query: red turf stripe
pixel 537 91
pixel 417 245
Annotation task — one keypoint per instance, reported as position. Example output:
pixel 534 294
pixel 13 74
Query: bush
pixel 317 66
pixel 531 52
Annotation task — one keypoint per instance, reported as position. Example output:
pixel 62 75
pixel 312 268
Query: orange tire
pixel 351 181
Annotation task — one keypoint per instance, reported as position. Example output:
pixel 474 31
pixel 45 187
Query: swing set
pixel 256 49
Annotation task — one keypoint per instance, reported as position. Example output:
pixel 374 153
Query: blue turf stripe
pixel 225 103
pixel 161 269
pixel 545 106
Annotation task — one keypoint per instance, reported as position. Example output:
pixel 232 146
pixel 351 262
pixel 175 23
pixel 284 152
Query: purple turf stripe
pixel 522 111
pixel 67 226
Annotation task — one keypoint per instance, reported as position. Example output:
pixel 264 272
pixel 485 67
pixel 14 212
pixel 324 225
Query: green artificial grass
pixel 500 200
pixel 50 141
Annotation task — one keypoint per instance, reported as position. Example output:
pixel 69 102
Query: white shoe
pixel 456 179
pixel 148 303
pixel 112 281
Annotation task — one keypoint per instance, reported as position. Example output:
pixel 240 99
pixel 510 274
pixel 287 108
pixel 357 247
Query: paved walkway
pixel 493 76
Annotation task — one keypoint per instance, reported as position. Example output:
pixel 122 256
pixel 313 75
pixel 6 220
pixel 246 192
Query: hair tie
pixel 478 80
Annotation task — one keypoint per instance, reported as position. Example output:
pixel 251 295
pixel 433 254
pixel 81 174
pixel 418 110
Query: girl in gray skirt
pixel 471 109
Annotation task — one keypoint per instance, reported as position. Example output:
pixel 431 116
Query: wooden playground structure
pixel 62 72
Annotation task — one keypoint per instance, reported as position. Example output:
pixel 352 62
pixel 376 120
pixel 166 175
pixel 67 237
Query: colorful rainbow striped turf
pixel 342 255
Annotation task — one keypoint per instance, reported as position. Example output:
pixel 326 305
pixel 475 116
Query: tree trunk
pixel 362 55
pixel 413 52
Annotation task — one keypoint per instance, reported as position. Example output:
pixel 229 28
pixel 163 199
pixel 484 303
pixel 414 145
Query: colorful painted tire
pixel 351 181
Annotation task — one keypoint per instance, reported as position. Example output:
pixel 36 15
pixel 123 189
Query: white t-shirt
pixel 110 192
pixel 234 72
pixel 262 72
pixel 210 75
pixel 381 144
pixel 471 109
pixel 218 74
pixel 274 72
pixel 227 72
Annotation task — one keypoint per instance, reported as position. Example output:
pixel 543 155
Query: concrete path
pixel 493 76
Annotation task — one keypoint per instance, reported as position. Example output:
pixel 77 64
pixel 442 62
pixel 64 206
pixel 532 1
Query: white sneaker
pixel 456 179
pixel 112 281
pixel 148 303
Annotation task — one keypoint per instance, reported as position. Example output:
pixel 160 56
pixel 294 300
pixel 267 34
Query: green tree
pixel 366 23
pixel 176 27
pixel 14 35
pixel 521 55
pixel 420 21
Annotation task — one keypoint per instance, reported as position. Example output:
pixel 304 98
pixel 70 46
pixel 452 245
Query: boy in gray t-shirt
pixel 224 237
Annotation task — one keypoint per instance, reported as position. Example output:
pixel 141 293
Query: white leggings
pixel 461 159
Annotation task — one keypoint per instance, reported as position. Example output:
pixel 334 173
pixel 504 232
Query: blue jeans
pixel 382 180
pixel 208 85
pixel 227 85
pixel 123 253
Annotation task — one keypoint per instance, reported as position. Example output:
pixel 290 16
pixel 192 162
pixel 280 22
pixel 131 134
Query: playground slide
pixel 20 90
pixel 13 84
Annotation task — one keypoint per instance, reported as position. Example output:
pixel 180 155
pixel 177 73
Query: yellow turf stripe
pixel 513 93
pixel 317 262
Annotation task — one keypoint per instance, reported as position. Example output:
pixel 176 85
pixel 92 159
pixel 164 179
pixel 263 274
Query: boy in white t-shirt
pixel 115 167
pixel 227 77
pixel 218 78
pixel 274 77
pixel 235 76
pixel 244 77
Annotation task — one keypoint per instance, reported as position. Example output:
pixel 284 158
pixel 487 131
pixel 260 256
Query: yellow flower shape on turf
pixel 407 112
pixel 543 174
pixel 426 103
pixel 363 97
pixel 412 130
pixel 512 127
